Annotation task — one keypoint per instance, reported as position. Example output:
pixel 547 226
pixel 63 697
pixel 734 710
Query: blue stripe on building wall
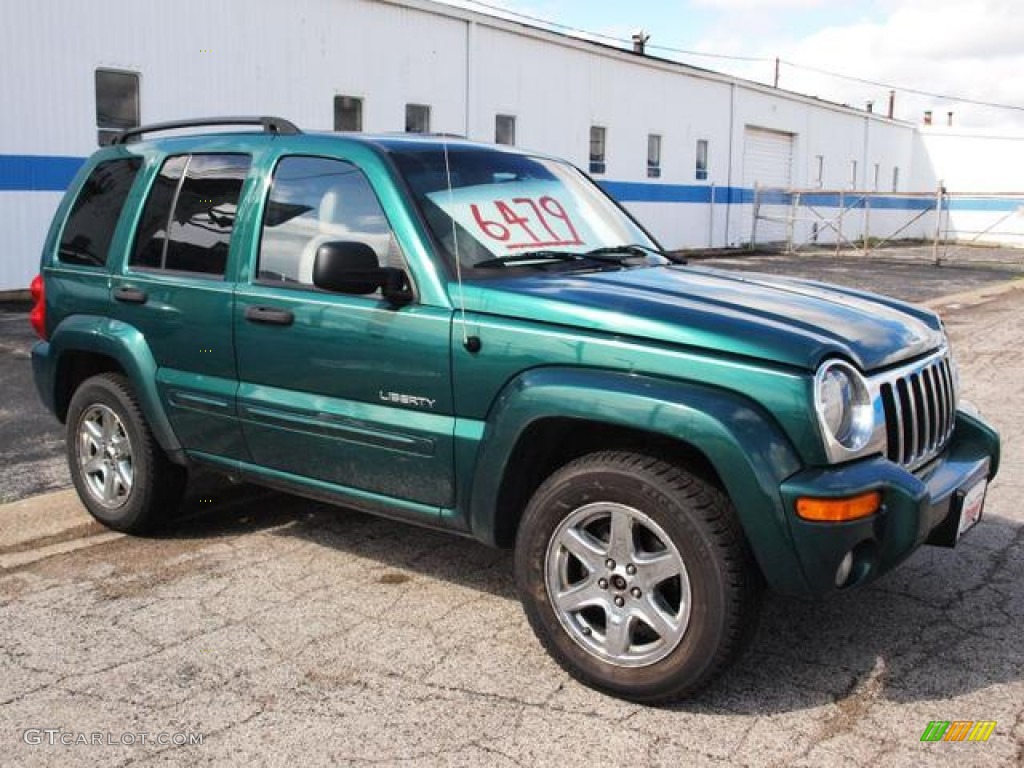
pixel 37 173
pixel 648 192
pixel 52 173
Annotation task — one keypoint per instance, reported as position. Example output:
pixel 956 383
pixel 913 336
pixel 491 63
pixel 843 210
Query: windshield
pixel 510 210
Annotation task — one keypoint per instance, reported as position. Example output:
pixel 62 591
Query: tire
pixel 636 576
pixel 119 470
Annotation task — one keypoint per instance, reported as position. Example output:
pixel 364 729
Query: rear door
pixel 342 392
pixel 175 289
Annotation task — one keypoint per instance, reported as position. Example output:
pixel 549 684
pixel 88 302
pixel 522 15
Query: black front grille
pixel 920 409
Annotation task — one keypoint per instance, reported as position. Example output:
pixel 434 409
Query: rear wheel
pixel 120 472
pixel 636 576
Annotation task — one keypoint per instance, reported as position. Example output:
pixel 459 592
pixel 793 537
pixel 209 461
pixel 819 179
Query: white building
pixel 682 147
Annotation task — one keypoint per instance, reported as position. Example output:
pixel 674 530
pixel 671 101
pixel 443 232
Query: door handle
pixel 130 295
pixel 269 315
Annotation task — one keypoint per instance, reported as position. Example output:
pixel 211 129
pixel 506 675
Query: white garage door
pixel 768 163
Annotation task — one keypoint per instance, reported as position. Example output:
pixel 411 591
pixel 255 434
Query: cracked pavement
pixel 292 633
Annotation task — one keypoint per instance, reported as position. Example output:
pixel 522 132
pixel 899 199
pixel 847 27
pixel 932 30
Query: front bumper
pixel 917 508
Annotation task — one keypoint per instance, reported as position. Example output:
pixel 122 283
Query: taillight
pixel 37 317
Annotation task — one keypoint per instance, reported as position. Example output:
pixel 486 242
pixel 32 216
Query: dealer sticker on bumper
pixel 971 506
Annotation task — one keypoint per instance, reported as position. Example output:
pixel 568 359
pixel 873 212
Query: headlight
pixel 845 408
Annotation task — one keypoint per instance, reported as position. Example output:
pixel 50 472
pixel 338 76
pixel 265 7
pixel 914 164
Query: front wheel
pixel 636 576
pixel 119 470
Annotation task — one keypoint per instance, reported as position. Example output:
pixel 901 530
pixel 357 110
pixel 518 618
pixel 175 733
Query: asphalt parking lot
pixel 287 632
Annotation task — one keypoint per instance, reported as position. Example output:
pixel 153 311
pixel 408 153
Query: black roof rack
pixel 270 125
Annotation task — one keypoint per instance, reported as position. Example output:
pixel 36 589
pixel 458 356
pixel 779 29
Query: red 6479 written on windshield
pixel 517 217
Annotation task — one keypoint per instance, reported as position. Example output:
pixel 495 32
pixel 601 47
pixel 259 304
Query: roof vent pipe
pixel 870 106
pixel 949 119
pixel 927 117
pixel 640 39
pixel 892 104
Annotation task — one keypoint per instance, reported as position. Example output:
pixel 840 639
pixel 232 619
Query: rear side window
pixel 187 223
pixel 90 226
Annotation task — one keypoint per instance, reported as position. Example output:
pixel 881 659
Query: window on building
pixel 895 178
pixel 203 191
pixel 117 103
pixel 505 129
pixel 417 118
pixel 819 171
pixel 90 226
pixel 653 156
pixel 314 200
pixel 853 174
pixel 348 113
pixel 876 177
pixel 702 159
pixel 597 148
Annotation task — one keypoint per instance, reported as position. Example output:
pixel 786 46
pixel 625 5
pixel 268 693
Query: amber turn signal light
pixel 839 510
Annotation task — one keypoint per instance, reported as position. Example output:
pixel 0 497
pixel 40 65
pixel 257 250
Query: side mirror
pixel 351 267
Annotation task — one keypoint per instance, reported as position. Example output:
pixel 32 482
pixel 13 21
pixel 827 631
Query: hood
pixel 787 321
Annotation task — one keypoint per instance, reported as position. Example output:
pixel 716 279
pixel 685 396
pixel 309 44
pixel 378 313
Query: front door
pixel 340 392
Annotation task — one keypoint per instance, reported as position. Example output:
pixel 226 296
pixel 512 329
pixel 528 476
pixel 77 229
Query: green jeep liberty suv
pixel 479 339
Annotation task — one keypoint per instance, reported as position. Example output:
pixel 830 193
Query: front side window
pixel 597 149
pixel 117 103
pixel 417 118
pixel 189 216
pixel 90 226
pixel 315 200
pixel 348 113
pixel 504 210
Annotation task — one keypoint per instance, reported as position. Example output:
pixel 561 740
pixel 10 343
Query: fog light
pixel 844 569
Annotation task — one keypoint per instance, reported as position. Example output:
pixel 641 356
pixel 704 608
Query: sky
pixel 950 49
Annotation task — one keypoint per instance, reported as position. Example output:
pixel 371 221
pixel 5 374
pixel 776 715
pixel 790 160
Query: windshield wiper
pixel 620 253
pixel 527 256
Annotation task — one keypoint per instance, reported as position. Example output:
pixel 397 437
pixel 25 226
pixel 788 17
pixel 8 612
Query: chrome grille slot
pixel 920 409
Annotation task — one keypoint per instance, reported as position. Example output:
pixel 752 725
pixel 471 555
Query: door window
pixel 315 200
pixel 190 214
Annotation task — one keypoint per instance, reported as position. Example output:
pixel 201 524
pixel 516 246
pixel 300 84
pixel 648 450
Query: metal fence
pixel 791 220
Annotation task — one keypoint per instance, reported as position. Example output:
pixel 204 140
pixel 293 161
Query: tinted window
pixel 505 129
pixel 653 155
pixel 313 201
pixel 417 118
pixel 702 160
pixel 117 102
pixel 348 113
pixel 152 231
pixel 597 139
pixel 204 191
pixel 90 226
